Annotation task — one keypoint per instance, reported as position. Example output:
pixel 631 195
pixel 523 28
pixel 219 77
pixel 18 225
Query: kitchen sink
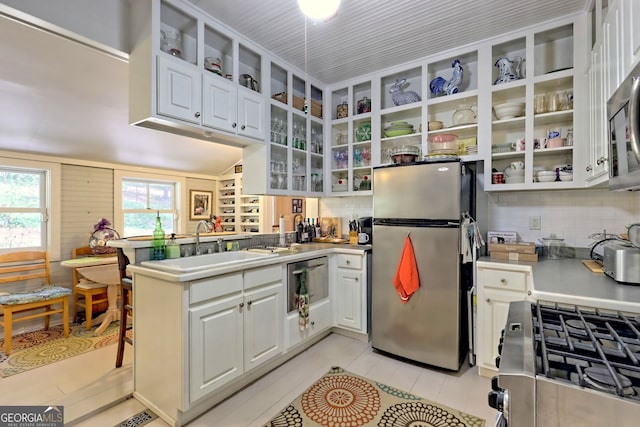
pixel 203 262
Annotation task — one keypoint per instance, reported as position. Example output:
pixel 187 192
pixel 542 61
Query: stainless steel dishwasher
pixel 317 280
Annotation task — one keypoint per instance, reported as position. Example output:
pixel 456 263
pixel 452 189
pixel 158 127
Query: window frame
pixel 122 175
pixel 52 195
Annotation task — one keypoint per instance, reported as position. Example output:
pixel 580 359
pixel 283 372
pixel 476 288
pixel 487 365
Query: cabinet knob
pixel 313 323
pixel 249 303
pixel 241 305
pixel 356 279
pixel 588 168
pixel 528 292
pixel 601 160
pixel 348 262
pixel 197 114
pixel 487 300
pixel 503 281
pixel 234 125
pixel 243 127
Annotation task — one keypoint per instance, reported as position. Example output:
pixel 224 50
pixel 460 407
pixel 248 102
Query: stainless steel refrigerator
pixel 425 201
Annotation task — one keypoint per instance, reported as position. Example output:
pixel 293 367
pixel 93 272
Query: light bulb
pixel 319 10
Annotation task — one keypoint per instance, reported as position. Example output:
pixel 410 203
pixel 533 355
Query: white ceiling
pixel 369 35
pixel 62 98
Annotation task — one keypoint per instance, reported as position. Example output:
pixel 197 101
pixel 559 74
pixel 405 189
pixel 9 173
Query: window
pixel 139 196
pixel 29 206
pixel 143 200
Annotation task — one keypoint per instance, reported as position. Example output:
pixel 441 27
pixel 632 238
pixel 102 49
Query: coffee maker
pixel 365 225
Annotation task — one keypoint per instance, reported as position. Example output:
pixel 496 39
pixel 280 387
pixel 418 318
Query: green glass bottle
pixel 159 244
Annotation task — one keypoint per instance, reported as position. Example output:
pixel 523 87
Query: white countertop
pixel 567 280
pixel 296 253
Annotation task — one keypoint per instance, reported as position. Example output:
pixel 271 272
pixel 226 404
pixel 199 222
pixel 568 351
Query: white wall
pixel 570 214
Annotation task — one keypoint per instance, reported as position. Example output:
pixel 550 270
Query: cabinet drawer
pixel 263 276
pixel 350 261
pixel 503 279
pixel 205 289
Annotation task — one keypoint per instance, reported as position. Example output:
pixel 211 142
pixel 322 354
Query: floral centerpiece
pixel 102 232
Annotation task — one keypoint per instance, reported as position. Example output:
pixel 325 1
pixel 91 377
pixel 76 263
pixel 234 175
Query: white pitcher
pixel 508 70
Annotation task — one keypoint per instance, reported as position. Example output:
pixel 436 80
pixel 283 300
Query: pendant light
pixel 306 77
pixel 319 10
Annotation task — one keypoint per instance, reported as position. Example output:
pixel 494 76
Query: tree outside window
pixel 23 209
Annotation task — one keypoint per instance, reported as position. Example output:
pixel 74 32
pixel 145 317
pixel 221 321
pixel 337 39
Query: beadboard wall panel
pixel 87 197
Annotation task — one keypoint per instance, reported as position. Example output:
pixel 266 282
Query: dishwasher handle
pixel 320 264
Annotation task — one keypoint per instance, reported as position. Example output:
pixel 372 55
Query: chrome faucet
pixel 206 228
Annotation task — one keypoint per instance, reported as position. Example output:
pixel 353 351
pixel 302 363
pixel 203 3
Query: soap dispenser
pixel 173 248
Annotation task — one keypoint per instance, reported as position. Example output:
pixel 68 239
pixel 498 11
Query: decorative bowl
pixel 363 132
pixel 445 143
pixel 508 110
pixel 392 131
pixel 546 178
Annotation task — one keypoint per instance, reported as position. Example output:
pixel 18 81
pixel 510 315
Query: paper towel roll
pixel 282 231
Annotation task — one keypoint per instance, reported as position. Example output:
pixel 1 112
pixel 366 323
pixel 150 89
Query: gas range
pixel 563 365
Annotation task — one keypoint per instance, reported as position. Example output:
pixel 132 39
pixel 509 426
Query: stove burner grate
pixel 601 379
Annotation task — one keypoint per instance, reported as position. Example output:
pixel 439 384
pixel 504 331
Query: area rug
pixel 341 399
pixel 39 348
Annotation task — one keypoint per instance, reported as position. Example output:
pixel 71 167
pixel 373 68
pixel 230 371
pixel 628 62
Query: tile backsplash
pixel 570 214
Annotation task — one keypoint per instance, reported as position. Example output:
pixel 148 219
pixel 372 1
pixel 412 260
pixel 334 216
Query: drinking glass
pixel 540 104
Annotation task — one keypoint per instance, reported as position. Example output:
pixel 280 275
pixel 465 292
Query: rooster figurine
pixel 440 86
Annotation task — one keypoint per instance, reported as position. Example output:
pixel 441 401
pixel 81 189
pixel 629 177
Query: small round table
pixel 101 269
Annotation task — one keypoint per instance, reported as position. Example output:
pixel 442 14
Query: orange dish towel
pixel 406 279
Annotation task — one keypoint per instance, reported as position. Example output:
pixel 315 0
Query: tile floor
pixel 87 383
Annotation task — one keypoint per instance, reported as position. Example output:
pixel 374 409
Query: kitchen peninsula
pixel 204 333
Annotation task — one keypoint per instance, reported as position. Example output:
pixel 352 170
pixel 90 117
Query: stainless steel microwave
pixel 623 114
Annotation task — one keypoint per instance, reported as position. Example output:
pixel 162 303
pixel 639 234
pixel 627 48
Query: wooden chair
pixel 126 305
pixel 24 266
pixel 87 294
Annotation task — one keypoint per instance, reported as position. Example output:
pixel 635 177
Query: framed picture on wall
pixel 200 204
pixel 296 205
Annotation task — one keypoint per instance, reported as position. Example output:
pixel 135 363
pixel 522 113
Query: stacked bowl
pixel 398 128
pixel 444 143
pixel 546 176
pixel 508 110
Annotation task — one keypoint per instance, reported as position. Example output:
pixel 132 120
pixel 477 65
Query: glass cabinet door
pixel 279 158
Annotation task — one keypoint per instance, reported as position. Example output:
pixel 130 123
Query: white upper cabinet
pixel 191 75
pixel 179 90
pixel 292 160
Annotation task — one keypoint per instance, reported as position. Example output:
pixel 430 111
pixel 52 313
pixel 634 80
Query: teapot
pixel 509 70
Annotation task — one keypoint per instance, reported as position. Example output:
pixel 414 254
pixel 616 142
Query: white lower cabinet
pixel 498 285
pixel 216 345
pixel 263 313
pixel 233 333
pixel 350 292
